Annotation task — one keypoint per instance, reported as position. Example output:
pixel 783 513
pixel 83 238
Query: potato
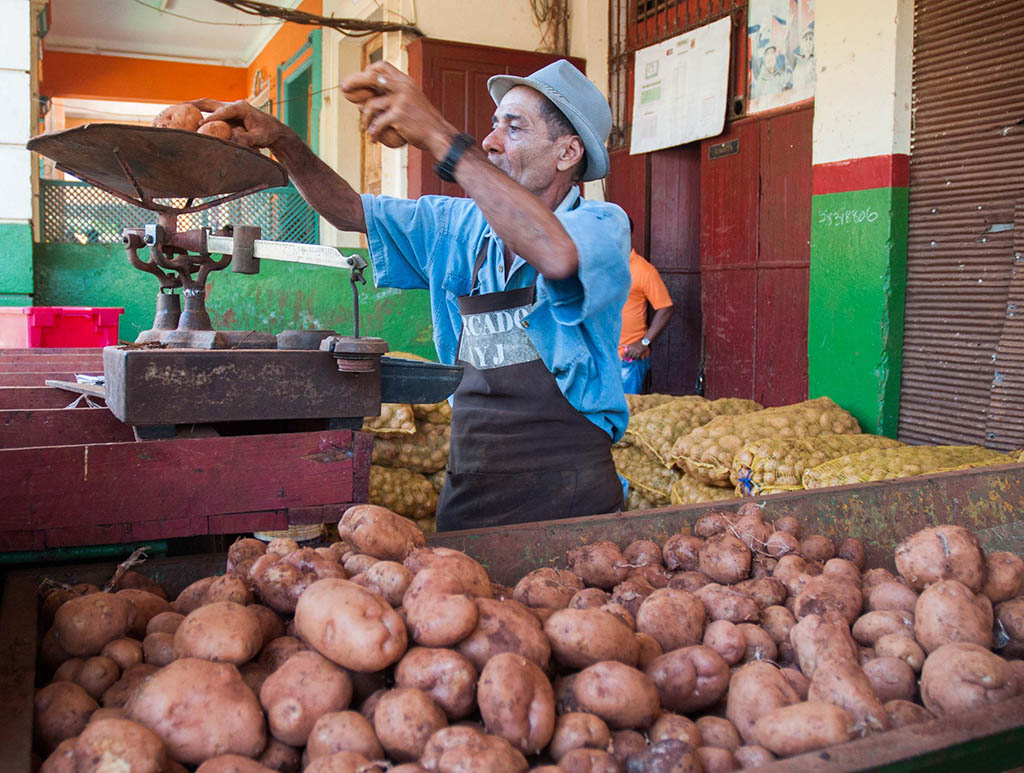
pixel 670 755
pixel 582 637
pixel 852 550
pixel 165 622
pixel 655 576
pixel 254 674
pixel 623 697
pixel 713 522
pixel 600 564
pixel 357 563
pixel 179 701
pixel 891 679
pixel 119 693
pixel 448 677
pixel 281 757
pixel 897 645
pixel 647 650
pixel 680 692
pixel 62 759
pixel 823 595
pixel 727 640
pixel 872 626
pixel 439 610
pixel 727 603
pixel 724 559
pixel 1009 628
pixel 716 760
pixel 341 762
pixel 760 645
pixel 404 719
pixel 242 553
pixel 802 727
pixel 689 581
pixel 630 594
pixel 505 626
pixel 271 625
pixel 62 710
pixel 282 546
pixel 106 713
pixel 281 584
pixel 680 552
pixel 83 625
pixel 350 625
pixel 124 652
pixel 339 731
pixel 588 761
pixel 626 743
pixel 578 730
pixel 669 725
pixel 589 598
pixel 97 675
pixel 643 552
pixel 388 578
pixel 222 631
pixel 184 116
pixel 228 587
pixel 378 532
pixel 844 684
pixel 191 598
pixel 960 675
pixel 147 605
pixel 219 129
pixel 468 749
pixel 69 671
pixel 751 530
pixel 516 702
pixel 766 591
pixel 818 640
pixel 947 612
pixel 119 744
pixel 941 553
pixel 781 543
pixel 718 732
pixel 158 649
pixel 791 571
pixel 872 577
pixel 303 689
pixel 902 713
pixel 817 547
pixel 753 691
pixel 892 596
pixel 777 622
pixel 1004 575
pixel 276 652
pixel 547 587
pixel 673 617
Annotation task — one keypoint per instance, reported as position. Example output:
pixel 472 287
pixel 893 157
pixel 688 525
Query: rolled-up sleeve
pixel 601 235
pixel 402 235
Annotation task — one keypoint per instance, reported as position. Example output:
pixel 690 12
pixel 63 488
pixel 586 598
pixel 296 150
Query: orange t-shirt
pixel 645 288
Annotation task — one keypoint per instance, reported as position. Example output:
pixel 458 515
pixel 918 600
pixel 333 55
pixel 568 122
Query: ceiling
pixel 201 31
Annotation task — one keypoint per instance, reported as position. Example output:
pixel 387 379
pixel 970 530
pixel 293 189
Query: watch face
pixel 645 341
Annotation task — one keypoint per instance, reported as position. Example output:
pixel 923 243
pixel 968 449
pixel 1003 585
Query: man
pixel 636 338
pixel 526 280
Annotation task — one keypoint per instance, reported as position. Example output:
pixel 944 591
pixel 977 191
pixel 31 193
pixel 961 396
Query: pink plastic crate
pixel 27 327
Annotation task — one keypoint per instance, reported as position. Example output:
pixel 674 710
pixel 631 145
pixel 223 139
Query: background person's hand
pixel 637 351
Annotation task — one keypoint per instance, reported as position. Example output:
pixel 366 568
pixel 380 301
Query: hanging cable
pixel 355 28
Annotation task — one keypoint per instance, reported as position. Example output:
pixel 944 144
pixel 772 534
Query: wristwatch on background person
pixel 646 341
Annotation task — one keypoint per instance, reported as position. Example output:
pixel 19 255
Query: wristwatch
pixel 445 168
pixel 645 341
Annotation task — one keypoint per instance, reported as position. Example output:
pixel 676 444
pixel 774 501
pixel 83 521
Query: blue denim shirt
pixel 432 243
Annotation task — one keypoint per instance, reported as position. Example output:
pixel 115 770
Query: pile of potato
pixel 187 117
pixel 725 648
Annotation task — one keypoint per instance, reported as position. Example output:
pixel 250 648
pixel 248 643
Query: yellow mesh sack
pixel 402 491
pixel 635 500
pixel 706 452
pixel 734 406
pixel 424 451
pixel 433 413
pixel 394 419
pixel 427 525
pixel 437 480
pixel 656 429
pixel 767 465
pixel 640 403
pixel 688 491
pixel 904 462
pixel 645 474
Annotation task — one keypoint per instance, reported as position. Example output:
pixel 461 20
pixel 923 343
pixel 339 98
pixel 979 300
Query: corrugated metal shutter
pixel 963 357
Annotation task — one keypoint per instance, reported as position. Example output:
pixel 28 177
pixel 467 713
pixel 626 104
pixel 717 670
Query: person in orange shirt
pixel 636 338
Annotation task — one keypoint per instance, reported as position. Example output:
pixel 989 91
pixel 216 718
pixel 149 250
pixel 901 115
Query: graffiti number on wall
pixel 844 217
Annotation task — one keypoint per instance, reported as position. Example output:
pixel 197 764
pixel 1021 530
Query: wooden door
pixel 454 77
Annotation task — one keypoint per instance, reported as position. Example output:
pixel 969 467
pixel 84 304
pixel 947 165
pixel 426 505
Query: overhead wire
pixel 356 28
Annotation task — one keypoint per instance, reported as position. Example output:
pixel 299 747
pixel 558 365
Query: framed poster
pixel 781 53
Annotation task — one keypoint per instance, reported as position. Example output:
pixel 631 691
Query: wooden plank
pixel 39 378
pixel 93 390
pixel 29 397
pixel 50 351
pixel 18 644
pixel 9 364
pixel 145 481
pixel 57 427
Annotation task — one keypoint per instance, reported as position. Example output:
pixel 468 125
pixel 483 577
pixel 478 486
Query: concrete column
pixel 15 161
pixel 859 207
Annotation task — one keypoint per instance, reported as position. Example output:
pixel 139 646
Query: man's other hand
pixel 636 351
pixel 259 129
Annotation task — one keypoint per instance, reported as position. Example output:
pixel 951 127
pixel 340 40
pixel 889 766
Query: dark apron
pixel 519 451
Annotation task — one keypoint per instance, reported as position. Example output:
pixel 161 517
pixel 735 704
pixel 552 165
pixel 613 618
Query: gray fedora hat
pixel 578 98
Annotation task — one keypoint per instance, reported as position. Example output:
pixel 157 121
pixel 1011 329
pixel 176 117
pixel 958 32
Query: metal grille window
pixel 77 212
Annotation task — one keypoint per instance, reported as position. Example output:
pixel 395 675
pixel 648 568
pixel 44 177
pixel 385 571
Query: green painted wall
pixel 857 292
pixel 15 264
pixel 282 296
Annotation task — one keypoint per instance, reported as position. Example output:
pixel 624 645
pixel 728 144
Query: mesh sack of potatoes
pixel 734 406
pixel 427 525
pixel 394 419
pixel 645 474
pixel 401 491
pixel 640 403
pixel 904 462
pixel 424 451
pixel 635 500
pixel 687 491
pixel 768 465
pixel 707 451
pixel 657 428
pixel 433 413
pixel 437 479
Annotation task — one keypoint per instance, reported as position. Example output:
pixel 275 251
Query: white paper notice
pixel 680 88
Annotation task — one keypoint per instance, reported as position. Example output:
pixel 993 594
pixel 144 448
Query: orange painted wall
pixel 89 76
pixel 289 39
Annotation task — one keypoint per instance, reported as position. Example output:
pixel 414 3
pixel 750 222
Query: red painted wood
pixel 39 378
pixel 675 355
pixel 858 174
pixel 233 523
pixel 454 77
pixel 56 427
pixel 785 208
pixel 130 482
pixel 51 351
pixel 729 199
pixel 780 359
pixel 730 314
pixel 627 185
pixel 27 539
pixel 8 364
pixel 26 397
